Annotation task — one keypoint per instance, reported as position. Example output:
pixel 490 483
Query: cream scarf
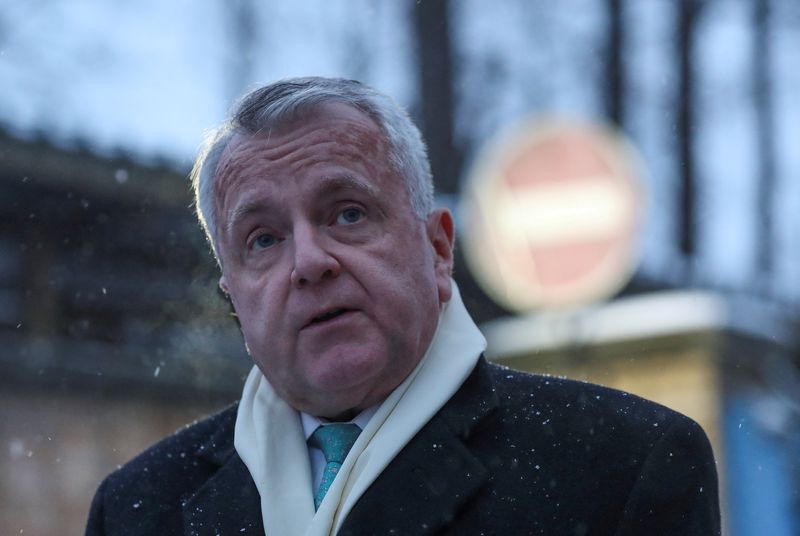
pixel 270 440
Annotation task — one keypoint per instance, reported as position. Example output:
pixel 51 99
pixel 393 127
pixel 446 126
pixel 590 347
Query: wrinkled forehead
pixel 332 130
pixel 331 122
pixel 335 116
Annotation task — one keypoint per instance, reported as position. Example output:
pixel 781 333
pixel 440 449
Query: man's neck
pixel 345 416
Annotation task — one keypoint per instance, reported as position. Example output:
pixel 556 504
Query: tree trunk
pixel 685 50
pixel 765 129
pixel 431 23
pixel 243 32
pixel 615 66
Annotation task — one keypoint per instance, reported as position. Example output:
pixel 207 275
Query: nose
pixel 312 262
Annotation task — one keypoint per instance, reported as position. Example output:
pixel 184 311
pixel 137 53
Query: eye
pixel 349 216
pixel 264 240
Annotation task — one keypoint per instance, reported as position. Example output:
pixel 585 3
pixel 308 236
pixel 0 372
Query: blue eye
pixel 264 240
pixel 350 216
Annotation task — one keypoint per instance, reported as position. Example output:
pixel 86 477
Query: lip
pixel 311 324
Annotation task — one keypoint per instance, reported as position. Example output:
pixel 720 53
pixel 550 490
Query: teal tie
pixel 335 441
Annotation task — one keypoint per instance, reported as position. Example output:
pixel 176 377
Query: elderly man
pixel 370 409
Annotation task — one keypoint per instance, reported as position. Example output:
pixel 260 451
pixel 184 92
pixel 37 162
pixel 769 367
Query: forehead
pixel 328 134
pixel 326 131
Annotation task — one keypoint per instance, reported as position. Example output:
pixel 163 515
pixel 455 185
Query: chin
pixel 347 366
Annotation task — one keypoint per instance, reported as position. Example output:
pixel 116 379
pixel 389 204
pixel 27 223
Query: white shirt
pixel 315 455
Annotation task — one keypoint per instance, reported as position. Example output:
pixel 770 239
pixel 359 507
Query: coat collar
pixel 436 474
pixel 420 491
pixel 229 499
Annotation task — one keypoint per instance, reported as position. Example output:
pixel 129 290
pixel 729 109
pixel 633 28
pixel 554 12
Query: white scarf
pixel 270 441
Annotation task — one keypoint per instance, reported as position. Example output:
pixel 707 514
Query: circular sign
pixel 550 215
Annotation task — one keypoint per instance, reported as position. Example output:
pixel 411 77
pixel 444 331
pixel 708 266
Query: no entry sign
pixel 551 214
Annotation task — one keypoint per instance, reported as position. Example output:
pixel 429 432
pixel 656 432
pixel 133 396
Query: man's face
pixel 336 283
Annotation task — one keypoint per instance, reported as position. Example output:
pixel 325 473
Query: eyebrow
pixel 345 182
pixel 325 186
pixel 243 211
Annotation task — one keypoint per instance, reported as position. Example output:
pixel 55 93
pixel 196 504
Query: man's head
pixel 317 198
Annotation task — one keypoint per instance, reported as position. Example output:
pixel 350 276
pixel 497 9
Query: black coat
pixel 510 453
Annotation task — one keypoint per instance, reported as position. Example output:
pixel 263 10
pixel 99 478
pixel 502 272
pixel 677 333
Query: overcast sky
pixel 149 77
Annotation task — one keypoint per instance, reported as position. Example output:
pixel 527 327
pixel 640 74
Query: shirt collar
pixel 311 423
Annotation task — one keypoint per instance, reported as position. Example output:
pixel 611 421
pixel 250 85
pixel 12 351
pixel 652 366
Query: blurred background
pixel 112 330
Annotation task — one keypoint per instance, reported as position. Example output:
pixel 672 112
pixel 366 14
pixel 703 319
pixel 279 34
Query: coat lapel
pixel 422 490
pixel 228 502
pixel 436 474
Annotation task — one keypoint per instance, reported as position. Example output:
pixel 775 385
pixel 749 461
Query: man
pixel 371 409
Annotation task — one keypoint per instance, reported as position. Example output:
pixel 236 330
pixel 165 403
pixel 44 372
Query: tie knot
pixel 335 440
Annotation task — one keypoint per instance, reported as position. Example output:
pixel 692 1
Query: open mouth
pixel 324 317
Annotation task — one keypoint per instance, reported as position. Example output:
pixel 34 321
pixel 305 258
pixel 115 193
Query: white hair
pixel 285 100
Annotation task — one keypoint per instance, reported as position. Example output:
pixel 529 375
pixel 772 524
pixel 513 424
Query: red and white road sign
pixel 551 216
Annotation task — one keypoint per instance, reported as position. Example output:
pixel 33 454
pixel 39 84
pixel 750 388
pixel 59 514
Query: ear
pixel 442 235
pixel 223 284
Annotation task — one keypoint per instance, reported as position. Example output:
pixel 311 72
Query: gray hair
pixel 285 99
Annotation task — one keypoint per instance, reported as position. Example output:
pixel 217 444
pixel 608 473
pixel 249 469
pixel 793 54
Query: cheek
pixel 255 311
pixel 409 296
pixel 419 274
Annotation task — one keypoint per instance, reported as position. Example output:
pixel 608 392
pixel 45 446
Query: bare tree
pixel 615 66
pixel 687 16
pixel 762 75
pixel 432 25
pixel 243 34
